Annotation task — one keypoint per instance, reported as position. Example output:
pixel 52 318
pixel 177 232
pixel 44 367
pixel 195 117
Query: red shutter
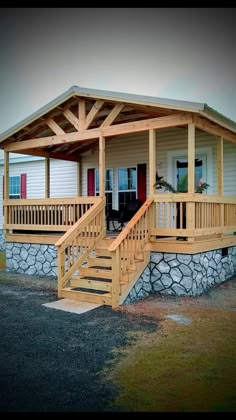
pixel 91 182
pixel 23 186
pixel 142 189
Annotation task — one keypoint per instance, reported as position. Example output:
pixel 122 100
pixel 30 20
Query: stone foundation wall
pixel 183 274
pixel 2 241
pixel 31 259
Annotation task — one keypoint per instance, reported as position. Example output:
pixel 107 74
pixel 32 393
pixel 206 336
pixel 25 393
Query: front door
pixel 181 173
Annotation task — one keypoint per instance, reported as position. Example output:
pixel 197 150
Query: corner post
pixel 190 213
pixel 220 179
pixel 152 176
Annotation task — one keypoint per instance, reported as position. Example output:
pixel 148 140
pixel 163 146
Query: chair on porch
pixel 123 216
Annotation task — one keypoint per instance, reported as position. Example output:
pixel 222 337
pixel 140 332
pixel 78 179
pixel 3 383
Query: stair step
pixel 95 272
pixel 102 252
pixel 70 293
pixel 99 262
pixel 104 243
pixel 86 283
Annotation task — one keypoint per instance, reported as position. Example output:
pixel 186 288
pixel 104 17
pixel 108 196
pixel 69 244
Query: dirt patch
pixel 185 366
pixel 161 354
pixel 2 259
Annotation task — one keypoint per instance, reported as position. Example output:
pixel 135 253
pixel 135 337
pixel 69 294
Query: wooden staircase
pixel 93 283
pixel 94 280
pixel 99 269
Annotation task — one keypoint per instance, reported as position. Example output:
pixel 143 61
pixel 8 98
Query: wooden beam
pixel 143 125
pixel 52 155
pixel 214 129
pixel 54 126
pixel 131 127
pixel 113 114
pixel 152 161
pixel 102 166
pixel 82 115
pixel 191 158
pixel 71 118
pixel 34 152
pixel 220 167
pixel 47 177
pixel 93 112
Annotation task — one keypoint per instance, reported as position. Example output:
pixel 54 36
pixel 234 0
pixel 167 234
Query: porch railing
pixel 46 214
pixel 79 241
pixel 192 215
pixel 128 249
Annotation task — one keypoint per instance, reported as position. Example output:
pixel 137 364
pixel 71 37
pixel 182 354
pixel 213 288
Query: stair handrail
pixel 125 232
pixel 119 247
pixel 65 243
pixel 81 223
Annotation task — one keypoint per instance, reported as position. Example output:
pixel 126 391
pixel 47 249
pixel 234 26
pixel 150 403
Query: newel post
pixel 115 277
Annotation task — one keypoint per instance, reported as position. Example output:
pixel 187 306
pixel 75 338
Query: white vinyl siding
pixel 63 179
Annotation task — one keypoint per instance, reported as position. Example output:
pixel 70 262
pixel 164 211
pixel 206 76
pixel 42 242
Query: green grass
pixel 2 259
pixel 189 368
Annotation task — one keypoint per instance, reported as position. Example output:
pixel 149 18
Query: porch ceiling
pixel 66 119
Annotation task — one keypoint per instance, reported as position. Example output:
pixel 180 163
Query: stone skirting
pixel 2 241
pixel 32 259
pixel 184 274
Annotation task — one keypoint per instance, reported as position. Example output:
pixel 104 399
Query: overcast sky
pixel 186 54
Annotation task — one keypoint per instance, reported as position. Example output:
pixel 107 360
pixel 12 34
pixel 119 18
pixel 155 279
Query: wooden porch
pixel 91 266
pixel 209 218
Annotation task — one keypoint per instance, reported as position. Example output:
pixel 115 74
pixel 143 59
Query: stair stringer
pixel 133 277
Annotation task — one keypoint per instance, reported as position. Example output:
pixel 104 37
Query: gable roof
pixel 128 98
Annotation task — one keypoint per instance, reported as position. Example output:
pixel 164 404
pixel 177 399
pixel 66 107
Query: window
pixel 17 186
pixel 127 185
pixel 182 171
pixel 108 187
pixel 14 187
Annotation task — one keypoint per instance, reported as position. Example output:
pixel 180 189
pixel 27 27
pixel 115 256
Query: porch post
pixel 6 187
pixel 6 175
pixel 190 207
pixel 220 178
pixel 220 158
pixel 152 177
pixel 191 158
pixel 47 177
pixel 152 161
pixel 102 166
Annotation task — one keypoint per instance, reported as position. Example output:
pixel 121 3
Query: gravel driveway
pixel 52 360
